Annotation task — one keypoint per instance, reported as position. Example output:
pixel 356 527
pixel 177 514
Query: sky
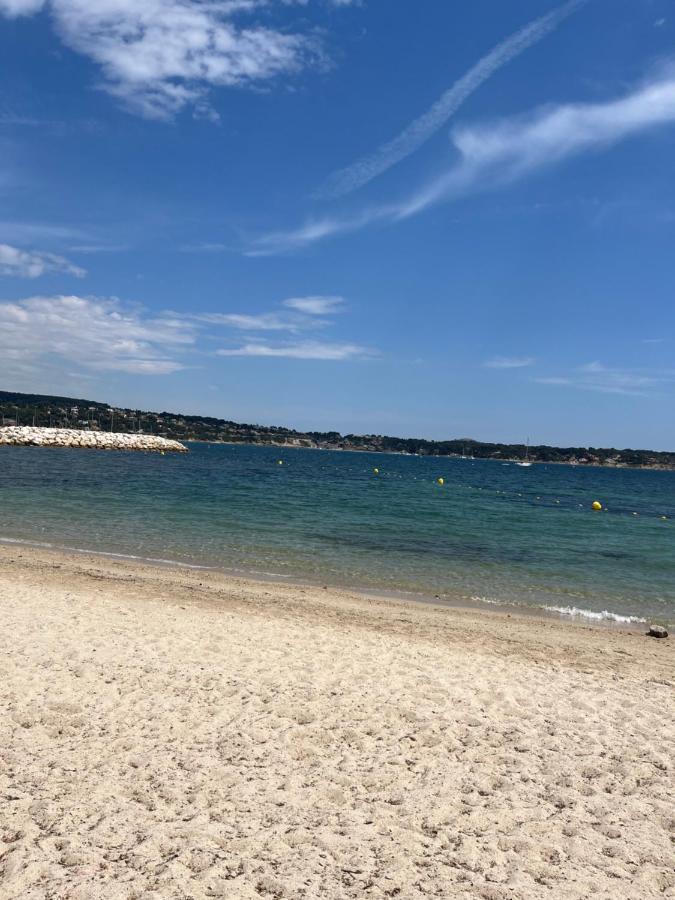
pixel 440 220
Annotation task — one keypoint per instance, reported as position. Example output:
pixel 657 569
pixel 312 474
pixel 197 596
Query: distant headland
pixel 41 410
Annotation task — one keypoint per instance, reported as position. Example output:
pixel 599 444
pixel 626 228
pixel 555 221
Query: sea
pixel 492 533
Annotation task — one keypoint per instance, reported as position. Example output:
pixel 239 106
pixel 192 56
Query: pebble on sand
pixel 657 631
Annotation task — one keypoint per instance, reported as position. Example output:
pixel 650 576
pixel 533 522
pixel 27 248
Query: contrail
pixel 410 139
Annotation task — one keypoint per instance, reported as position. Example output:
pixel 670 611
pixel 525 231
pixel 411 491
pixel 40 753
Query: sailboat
pixel 525 463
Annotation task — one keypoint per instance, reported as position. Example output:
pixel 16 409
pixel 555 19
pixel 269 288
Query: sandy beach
pixel 183 734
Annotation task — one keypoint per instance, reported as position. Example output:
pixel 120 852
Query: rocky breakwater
pixel 25 436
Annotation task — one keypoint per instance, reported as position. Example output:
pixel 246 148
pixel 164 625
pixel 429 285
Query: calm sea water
pixel 496 532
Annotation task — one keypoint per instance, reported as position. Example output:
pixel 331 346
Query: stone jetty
pixel 25 436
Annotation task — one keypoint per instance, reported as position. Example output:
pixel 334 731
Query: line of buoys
pixel 595 505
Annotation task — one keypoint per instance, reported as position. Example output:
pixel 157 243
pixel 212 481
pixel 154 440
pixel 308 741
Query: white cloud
pixel 503 152
pixel 250 322
pixel 315 306
pixel 509 362
pixel 99 248
pixel 419 131
pixel 159 56
pixel 307 314
pixel 32 263
pixel 28 232
pixel 302 350
pixel 55 334
pixel 595 376
pixel 93 333
pixel 315 230
pixel 14 8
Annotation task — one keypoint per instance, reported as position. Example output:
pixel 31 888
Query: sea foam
pixel 591 614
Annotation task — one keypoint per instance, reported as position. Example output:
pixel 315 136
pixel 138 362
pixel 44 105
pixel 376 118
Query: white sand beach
pixel 169 733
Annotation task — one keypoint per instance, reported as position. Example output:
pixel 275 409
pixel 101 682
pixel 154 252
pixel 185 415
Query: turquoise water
pixel 495 532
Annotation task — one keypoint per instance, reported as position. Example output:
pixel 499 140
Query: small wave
pixel 84 550
pixel 605 615
pixel 258 572
pixel 574 611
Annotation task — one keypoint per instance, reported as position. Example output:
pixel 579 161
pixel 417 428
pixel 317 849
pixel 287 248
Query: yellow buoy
pixel 440 481
pixel 376 471
pixel 636 514
pixel 596 504
pixel 665 518
pixel 280 462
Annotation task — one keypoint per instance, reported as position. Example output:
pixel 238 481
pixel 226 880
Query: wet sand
pixel 184 734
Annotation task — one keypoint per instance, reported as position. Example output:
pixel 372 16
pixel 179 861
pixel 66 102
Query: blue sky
pixel 449 220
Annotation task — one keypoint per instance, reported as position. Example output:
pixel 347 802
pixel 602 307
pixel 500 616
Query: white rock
pixel 24 435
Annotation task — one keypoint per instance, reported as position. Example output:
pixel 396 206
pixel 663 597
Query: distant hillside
pixel 70 412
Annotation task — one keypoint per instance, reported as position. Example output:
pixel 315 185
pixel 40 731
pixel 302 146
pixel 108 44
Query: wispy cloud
pixel 502 152
pixel 206 247
pixel 505 151
pixel 316 306
pixel 595 376
pixel 99 248
pixel 302 350
pixel 316 230
pixel 160 56
pixel 509 362
pixel 57 333
pixel 13 8
pixel 249 321
pixel 30 232
pixel 97 334
pixel 307 313
pixel 33 263
pixel 419 131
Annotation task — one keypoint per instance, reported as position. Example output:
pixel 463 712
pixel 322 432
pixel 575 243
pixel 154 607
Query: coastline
pixel 222 584
pixel 508 462
pixel 183 733
pixel 566 615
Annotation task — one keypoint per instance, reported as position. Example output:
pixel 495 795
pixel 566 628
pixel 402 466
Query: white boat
pixel 525 463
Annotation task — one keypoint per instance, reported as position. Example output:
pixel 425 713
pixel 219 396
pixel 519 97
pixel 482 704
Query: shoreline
pixel 566 615
pixel 214 585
